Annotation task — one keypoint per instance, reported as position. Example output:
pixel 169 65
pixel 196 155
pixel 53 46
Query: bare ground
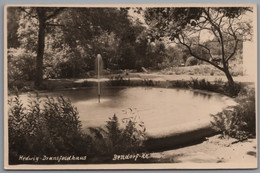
pixel 214 150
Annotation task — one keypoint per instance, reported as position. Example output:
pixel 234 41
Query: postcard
pixel 151 86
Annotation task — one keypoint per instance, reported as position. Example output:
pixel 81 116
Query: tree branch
pixel 206 49
pixel 220 20
pixel 28 13
pixel 234 51
pixel 236 43
pixel 213 30
pixel 55 13
pixel 54 24
pixel 197 57
pixel 220 37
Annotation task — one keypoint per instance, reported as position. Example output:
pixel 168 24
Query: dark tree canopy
pixel 13 25
pixel 65 41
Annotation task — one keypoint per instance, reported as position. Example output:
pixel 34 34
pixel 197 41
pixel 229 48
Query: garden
pixel 124 85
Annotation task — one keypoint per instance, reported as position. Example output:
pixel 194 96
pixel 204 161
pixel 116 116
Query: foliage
pixel 13 25
pixel 120 140
pixel 122 41
pixel 154 56
pixel 148 82
pixel 238 121
pixel 121 81
pixel 45 127
pixel 105 31
pixel 51 127
pixel 202 84
pixel 185 26
pixel 18 62
pixel 175 56
pixel 232 91
pixel 26 31
pixel 191 61
pixel 180 84
pixel 118 80
pixel 217 86
pixel 203 70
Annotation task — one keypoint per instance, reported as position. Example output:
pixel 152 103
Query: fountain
pixel 172 117
pixel 99 67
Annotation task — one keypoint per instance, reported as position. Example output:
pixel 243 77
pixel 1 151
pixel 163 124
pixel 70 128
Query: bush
pixel 118 81
pixel 191 61
pixel 113 139
pixel 51 127
pixel 148 82
pixel 202 84
pixel 45 127
pixel 217 86
pixel 21 64
pixel 232 91
pixel 238 121
pixel 21 68
pixel 180 84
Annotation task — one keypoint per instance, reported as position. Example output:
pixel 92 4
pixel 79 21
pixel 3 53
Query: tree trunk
pixel 233 89
pixel 40 49
pixel 230 78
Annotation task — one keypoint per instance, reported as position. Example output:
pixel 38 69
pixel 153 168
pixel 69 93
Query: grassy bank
pixel 202 70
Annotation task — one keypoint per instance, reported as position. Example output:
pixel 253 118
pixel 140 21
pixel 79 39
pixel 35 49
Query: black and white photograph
pixel 150 86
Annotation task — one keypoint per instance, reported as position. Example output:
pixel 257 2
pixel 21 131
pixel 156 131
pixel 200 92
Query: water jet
pixel 99 67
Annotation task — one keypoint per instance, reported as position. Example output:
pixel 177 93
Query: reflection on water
pixel 202 94
pixel 157 107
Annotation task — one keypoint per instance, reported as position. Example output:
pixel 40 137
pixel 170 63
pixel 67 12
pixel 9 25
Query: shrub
pixel 21 68
pixel 191 61
pixel 48 126
pixel 148 82
pixel 120 140
pixel 21 64
pixel 196 84
pixel 202 84
pixel 217 86
pixel 61 124
pixel 180 84
pixel 232 90
pixel 238 121
pixel 51 127
pixel 118 81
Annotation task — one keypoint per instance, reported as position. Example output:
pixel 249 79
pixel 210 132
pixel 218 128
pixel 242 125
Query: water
pixel 158 108
pixel 99 67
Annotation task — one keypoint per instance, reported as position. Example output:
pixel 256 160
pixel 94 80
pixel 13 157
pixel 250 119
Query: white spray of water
pixel 99 66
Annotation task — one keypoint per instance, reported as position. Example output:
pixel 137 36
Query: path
pixel 214 150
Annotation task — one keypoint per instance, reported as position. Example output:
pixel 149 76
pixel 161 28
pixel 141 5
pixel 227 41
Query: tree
pixel 187 26
pixel 95 30
pixel 43 16
pixel 106 31
pixel 13 25
pixel 177 55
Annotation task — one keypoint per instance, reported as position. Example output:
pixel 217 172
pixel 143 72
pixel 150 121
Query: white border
pixel 120 166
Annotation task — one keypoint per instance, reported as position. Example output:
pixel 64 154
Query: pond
pixel 158 108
